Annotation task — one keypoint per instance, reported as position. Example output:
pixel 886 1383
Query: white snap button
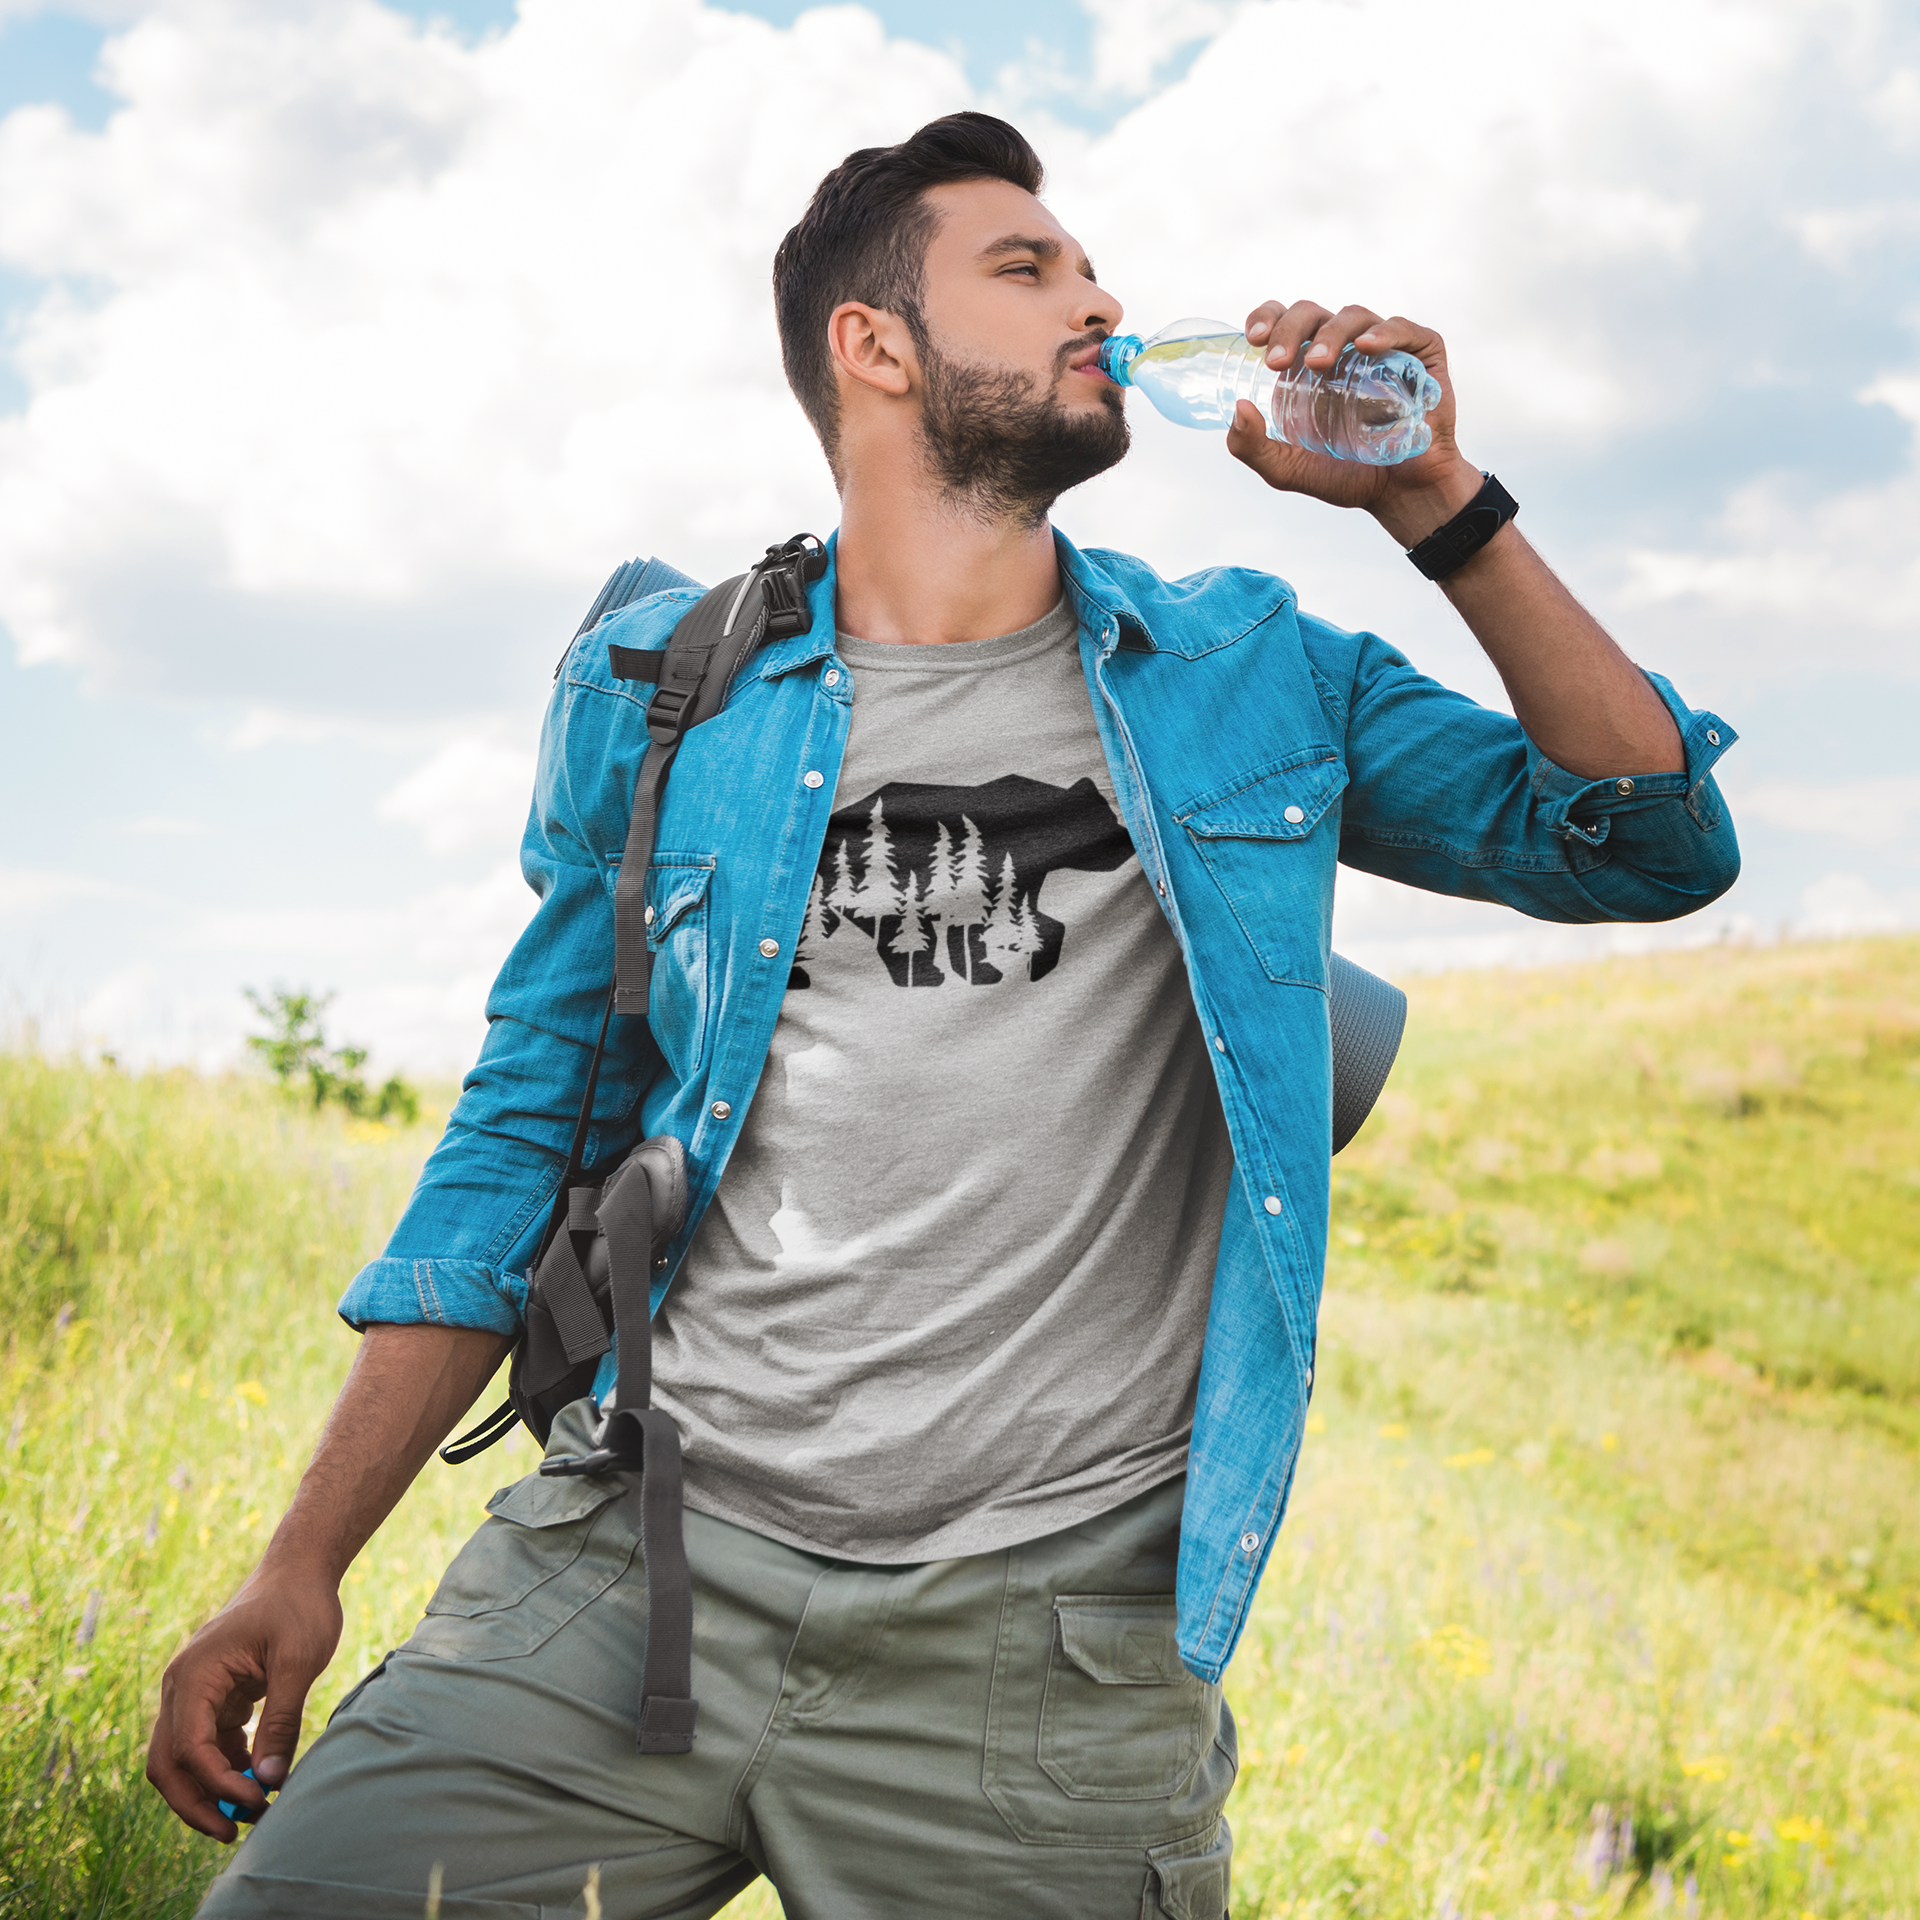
pixel 1248 1541
pixel 1713 736
pixel 1219 1045
pixel 1272 1203
pixel 720 1109
pixel 1623 786
pixel 768 948
pixel 648 916
pixel 1295 815
pixel 832 676
pixel 811 778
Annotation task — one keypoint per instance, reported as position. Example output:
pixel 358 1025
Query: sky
pixel 346 347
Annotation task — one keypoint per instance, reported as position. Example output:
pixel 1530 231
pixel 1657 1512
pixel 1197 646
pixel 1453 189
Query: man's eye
pixel 1025 266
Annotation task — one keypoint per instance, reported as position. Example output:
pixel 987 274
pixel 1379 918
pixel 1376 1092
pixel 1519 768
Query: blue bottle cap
pixel 1118 352
pixel 239 1810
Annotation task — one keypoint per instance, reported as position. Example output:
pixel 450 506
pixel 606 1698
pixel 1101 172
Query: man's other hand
pixel 408 1385
pixel 274 1638
pixel 1415 496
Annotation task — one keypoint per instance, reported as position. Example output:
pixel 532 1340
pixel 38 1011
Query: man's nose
pixel 1100 310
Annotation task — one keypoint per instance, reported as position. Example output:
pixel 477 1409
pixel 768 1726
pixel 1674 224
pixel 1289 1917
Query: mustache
pixel 1072 347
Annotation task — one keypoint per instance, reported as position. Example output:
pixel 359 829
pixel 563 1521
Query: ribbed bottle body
pixel 1370 408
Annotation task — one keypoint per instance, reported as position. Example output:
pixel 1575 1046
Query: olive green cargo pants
pixel 1002 1736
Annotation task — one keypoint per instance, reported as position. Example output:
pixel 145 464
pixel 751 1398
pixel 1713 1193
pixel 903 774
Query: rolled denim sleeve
pixel 1453 797
pixel 458 1256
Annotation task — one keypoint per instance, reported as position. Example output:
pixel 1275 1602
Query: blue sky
pixel 335 375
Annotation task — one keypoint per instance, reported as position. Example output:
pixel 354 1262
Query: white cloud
pixel 33 890
pixel 1134 39
pixel 1398 931
pixel 161 826
pixel 472 793
pixel 1843 904
pixel 1846 565
pixel 367 352
pixel 411 979
pixel 1876 813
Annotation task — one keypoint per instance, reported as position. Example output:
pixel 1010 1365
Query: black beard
pixel 1005 452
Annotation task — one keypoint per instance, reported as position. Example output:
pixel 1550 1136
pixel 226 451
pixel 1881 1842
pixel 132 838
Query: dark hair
pixel 864 237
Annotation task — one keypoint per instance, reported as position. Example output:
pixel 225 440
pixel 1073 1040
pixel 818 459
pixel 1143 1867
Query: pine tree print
pixel 940 905
pixel 1002 935
pixel 813 933
pixel 842 894
pixel 969 893
pixel 911 939
pixel 877 897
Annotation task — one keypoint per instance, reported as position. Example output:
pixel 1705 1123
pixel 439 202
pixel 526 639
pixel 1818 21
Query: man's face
pixel 1016 408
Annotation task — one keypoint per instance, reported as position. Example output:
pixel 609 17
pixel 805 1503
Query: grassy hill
pixel 1602 1579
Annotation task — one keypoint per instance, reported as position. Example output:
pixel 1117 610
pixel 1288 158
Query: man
pixel 990 921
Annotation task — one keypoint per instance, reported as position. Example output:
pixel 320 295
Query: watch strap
pixel 1455 543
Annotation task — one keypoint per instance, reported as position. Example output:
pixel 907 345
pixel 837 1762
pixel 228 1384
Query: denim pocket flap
pixel 537 1502
pixel 1281 801
pixel 672 893
pixel 1119 1642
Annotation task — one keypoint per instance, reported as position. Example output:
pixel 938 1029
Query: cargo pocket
pixel 549 1547
pixel 1260 838
pixel 1122 1718
pixel 1127 1747
pixel 1191 1879
pixel 678 902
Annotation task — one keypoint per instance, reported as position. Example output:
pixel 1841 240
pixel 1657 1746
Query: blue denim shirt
pixel 1251 747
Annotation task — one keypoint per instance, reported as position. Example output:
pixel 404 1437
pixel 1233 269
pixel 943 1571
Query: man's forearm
pixel 408 1387
pixel 1583 703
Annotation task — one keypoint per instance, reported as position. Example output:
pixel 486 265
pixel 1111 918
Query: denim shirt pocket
pixel 679 995
pixel 1261 837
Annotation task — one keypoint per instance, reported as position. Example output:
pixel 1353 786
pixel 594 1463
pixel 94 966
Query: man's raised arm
pixel 408 1388
pixel 1582 702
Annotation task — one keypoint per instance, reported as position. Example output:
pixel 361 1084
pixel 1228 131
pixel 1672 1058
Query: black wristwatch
pixel 1455 543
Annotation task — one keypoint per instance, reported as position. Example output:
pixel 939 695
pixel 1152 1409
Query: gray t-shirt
pixel 952 1291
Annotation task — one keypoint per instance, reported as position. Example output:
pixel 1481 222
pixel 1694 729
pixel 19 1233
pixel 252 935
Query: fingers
pixel 1320 336
pixel 1400 335
pixel 191 1759
pixel 277 1736
pixel 1284 327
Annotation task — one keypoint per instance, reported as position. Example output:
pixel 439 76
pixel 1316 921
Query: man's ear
pixel 873 347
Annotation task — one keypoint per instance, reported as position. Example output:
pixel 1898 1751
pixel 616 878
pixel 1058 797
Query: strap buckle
pixel 784 574
pixel 668 713
pixel 619 1446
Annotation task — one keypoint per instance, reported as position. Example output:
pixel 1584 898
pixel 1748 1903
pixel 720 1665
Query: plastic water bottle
pixel 1366 407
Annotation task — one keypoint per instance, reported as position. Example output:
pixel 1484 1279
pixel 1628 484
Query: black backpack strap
pixel 691 680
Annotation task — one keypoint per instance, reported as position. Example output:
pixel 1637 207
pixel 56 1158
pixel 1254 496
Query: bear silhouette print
pixel 945 881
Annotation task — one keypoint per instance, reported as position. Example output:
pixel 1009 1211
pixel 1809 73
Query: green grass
pixel 1601 1584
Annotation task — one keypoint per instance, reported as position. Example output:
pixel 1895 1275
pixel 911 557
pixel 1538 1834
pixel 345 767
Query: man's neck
pixel 917 570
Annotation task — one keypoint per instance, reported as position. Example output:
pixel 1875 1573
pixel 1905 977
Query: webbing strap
pixel 633 959
pixel 565 1294
pixel 694 673
pixel 626 1218
pixel 667 1707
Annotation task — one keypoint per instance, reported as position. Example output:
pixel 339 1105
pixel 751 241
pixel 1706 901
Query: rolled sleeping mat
pixel 1368 1015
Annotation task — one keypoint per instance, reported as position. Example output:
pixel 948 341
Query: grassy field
pixel 1601 1584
